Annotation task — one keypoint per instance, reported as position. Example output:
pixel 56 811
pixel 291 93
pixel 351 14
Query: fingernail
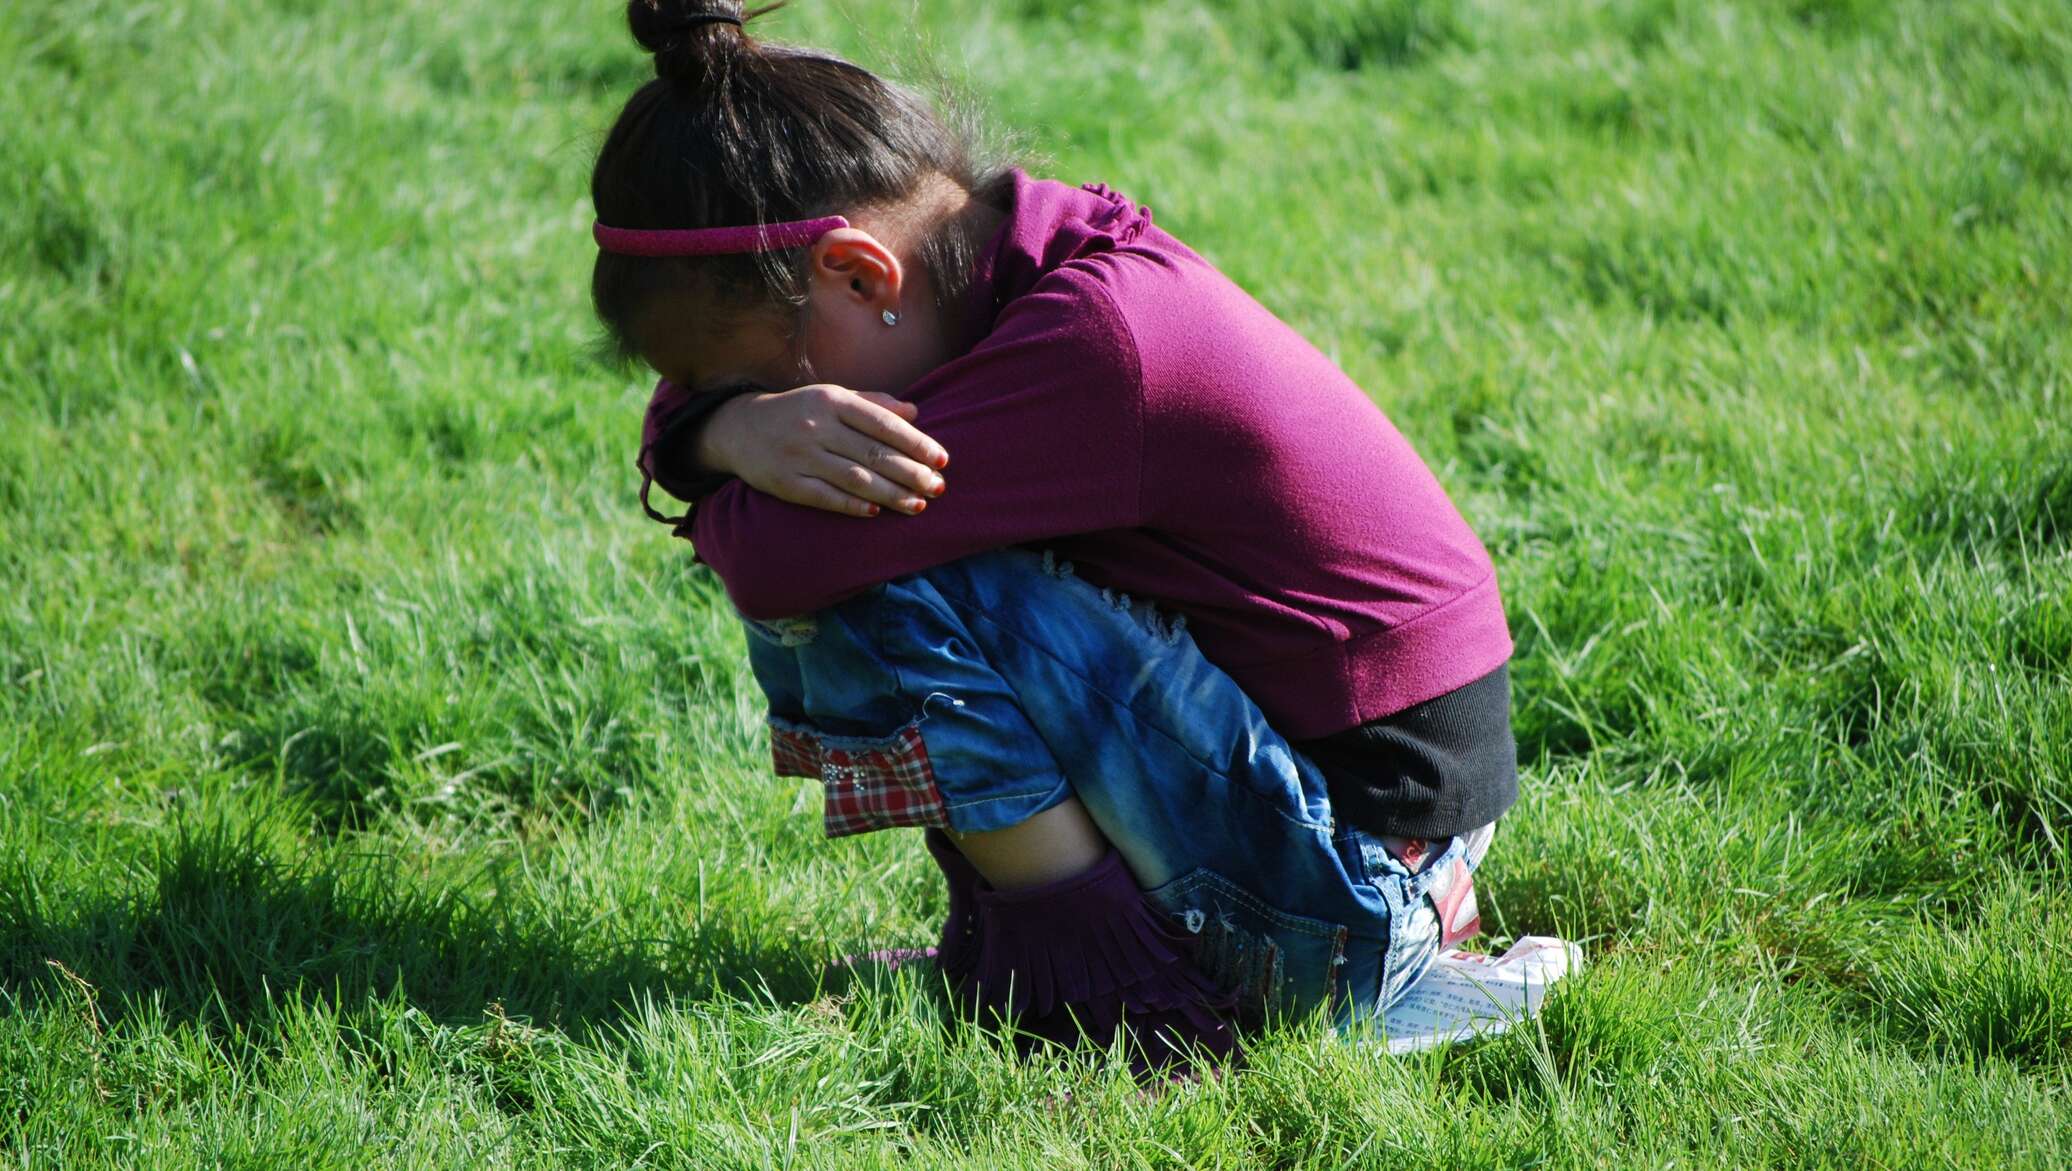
pixel 941 462
pixel 936 485
pixel 918 505
pixel 873 511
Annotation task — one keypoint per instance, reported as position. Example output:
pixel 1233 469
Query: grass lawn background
pixel 378 789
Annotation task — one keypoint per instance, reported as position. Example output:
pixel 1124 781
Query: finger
pixel 897 406
pixel 817 493
pixel 845 475
pixel 864 416
pixel 879 457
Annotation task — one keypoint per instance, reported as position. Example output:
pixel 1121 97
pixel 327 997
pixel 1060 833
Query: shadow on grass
pixel 228 930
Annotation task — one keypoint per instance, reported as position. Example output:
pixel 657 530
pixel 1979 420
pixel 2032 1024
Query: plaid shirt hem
pixel 869 784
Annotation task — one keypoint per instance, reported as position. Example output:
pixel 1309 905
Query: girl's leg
pixel 1221 821
pixel 1058 843
pixel 886 700
pixel 980 695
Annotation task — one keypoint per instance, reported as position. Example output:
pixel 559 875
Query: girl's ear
pixel 850 265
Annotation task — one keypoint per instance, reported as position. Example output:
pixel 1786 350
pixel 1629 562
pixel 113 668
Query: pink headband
pixel 714 241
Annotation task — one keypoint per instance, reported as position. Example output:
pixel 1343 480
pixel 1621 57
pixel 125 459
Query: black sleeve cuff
pixel 670 458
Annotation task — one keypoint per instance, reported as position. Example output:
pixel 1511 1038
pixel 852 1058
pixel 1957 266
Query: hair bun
pixel 689 38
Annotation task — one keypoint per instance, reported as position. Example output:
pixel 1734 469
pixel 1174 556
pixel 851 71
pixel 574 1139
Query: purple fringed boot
pixel 1085 955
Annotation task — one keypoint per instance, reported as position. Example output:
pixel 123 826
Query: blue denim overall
pixel 979 693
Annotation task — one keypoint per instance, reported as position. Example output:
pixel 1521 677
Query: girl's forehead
pixel 700 350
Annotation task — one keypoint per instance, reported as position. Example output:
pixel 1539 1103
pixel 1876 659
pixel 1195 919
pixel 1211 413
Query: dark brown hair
pixel 736 131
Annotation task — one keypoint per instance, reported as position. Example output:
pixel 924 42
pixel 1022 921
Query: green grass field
pixel 377 789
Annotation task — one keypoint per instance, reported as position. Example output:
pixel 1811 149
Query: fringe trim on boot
pixel 1087 955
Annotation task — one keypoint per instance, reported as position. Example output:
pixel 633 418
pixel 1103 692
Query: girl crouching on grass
pixel 1186 665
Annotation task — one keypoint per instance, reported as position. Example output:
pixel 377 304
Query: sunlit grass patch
pixel 376 789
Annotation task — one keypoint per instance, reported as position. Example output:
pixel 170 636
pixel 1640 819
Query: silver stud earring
pixel 891 318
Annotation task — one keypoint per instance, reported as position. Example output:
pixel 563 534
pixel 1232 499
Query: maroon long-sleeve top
pixel 1139 413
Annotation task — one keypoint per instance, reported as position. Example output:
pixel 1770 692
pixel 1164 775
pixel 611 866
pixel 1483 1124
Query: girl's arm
pixel 826 447
pixel 820 445
pixel 1045 416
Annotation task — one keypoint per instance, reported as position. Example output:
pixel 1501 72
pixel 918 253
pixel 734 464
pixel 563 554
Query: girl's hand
pixel 826 447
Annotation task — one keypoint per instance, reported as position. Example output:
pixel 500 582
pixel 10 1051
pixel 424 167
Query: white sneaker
pixel 1467 994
